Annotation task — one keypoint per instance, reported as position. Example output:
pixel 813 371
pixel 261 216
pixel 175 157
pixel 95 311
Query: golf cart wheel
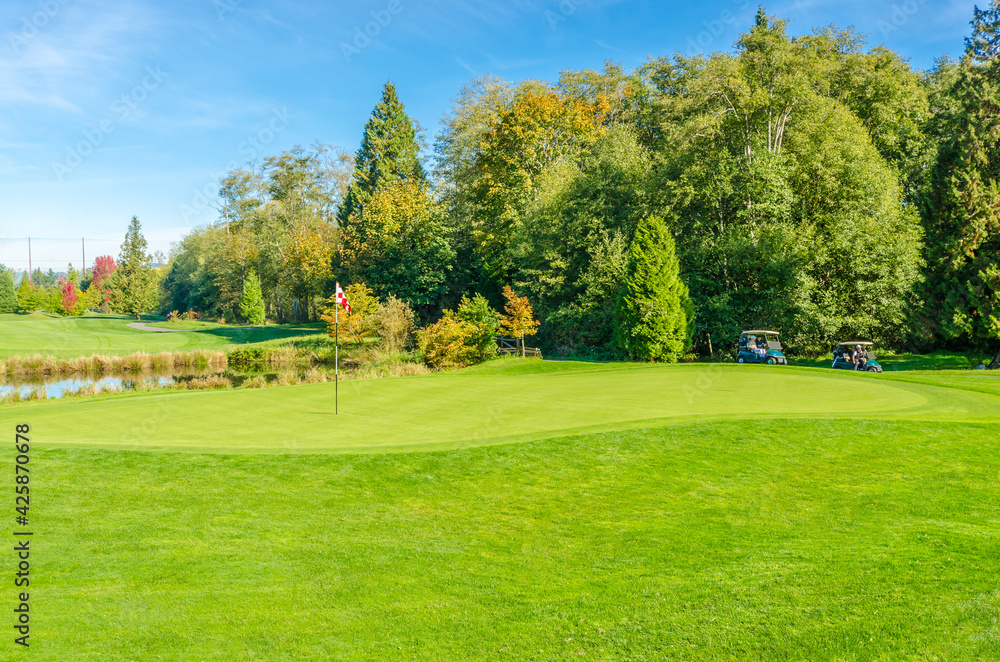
pixel 873 369
pixel 741 360
pixel 770 360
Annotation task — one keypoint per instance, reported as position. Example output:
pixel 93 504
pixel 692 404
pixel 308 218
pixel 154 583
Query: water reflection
pixel 62 387
pixel 59 387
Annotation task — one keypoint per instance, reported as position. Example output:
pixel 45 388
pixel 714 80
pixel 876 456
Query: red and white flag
pixel 342 299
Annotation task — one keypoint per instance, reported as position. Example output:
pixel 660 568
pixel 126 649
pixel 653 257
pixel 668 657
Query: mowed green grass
pixel 572 511
pixel 69 337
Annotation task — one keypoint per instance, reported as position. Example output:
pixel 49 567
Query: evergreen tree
pixel 962 211
pixel 655 318
pixel 388 153
pixel 252 303
pixel 392 232
pixel 8 297
pixel 133 284
pixel 27 296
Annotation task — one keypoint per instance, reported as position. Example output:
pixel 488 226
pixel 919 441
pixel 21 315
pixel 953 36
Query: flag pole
pixel 336 360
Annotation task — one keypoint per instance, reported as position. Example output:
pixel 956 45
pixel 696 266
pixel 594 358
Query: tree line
pixel 810 184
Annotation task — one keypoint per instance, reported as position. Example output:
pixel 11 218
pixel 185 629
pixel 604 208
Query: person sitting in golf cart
pixel 859 358
pixel 757 348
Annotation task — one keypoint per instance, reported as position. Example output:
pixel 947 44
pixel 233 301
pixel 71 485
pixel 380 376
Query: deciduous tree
pixel 518 320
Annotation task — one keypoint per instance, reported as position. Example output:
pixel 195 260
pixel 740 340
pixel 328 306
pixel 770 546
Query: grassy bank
pixel 95 333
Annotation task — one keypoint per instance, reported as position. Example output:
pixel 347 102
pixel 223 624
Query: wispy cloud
pixel 65 63
pixel 467 67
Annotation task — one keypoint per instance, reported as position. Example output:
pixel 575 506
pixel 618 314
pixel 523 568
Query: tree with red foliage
pixel 69 297
pixel 104 266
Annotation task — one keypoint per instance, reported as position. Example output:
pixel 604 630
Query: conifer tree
pixel 388 153
pixel 133 284
pixel 27 298
pixel 8 297
pixel 655 318
pixel 392 233
pixel 962 211
pixel 252 303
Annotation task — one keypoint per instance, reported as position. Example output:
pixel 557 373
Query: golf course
pixel 522 510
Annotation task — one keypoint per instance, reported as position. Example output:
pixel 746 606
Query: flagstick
pixel 336 360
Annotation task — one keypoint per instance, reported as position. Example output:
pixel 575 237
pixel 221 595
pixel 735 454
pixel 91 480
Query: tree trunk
pixel 996 362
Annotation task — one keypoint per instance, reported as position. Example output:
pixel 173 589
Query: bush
pixel 449 342
pixel 395 322
pixel 248 355
pixel 485 323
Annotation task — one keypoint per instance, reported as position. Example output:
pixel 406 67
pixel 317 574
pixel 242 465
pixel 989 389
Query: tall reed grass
pixel 20 368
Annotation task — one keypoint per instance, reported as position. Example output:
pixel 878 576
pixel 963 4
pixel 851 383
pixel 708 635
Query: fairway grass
pixel 684 512
pixel 95 333
pixel 459 410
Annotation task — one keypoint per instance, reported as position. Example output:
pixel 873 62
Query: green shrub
pixel 485 323
pixel 449 342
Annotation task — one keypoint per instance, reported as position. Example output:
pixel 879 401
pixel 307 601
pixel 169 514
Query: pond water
pixel 58 387
pixel 61 387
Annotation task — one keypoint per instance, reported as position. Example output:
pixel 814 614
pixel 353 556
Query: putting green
pixel 483 407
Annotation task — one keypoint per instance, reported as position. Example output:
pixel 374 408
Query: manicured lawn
pixel 68 337
pixel 644 512
pixel 472 408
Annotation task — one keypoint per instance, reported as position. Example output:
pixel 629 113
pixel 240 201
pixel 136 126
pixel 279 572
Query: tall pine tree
pixel 133 284
pixel 962 210
pixel 655 318
pixel 393 237
pixel 388 153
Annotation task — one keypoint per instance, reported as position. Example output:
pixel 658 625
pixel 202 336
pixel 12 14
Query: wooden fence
pixel 515 347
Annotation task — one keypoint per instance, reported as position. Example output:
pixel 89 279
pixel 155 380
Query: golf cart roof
pixel 775 333
pixel 855 342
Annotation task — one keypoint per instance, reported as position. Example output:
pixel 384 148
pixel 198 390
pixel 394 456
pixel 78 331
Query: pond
pixel 62 387
pixel 59 387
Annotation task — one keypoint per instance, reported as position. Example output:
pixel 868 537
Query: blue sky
pixel 110 108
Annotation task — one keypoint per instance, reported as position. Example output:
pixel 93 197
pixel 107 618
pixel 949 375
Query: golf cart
pixel 760 347
pixel 866 357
